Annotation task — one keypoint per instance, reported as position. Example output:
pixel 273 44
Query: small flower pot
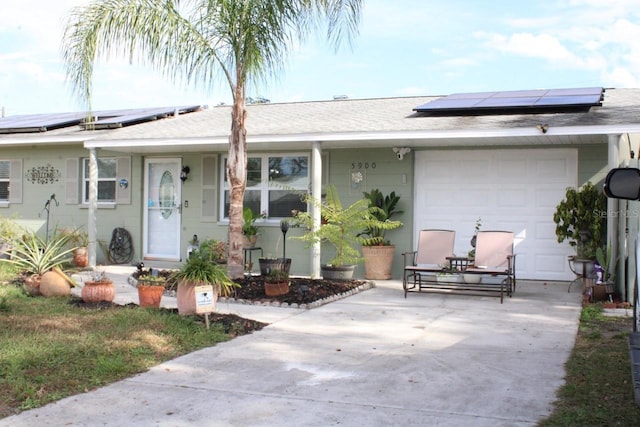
pixel 150 295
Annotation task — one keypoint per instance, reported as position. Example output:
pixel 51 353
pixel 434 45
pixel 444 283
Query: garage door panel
pixel 512 198
pixel 552 170
pixel 517 190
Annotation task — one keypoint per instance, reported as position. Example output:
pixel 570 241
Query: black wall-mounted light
pixel 184 173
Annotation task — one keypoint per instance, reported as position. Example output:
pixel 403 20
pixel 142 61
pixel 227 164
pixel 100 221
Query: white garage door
pixel 516 190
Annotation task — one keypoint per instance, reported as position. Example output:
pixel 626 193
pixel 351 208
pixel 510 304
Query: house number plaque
pixel 43 175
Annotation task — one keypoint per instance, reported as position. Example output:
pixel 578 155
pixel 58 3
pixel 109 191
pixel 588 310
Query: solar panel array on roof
pixel 520 101
pixel 38 122
pixel 138 116
pixel 106 119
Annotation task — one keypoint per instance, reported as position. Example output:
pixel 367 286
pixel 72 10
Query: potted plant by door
pixel 377 251
pixel 276 283
pixel 581 220
pixel 196 271
pixel 341 228
pixel 150 290
pixel 605 284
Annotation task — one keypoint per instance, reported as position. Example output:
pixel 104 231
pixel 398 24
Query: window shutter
pixel 15 181
pixel 209 188
pixel 123 171
pixel 72 182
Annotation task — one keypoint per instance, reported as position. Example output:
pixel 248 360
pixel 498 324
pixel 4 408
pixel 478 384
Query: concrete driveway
pixel 371 359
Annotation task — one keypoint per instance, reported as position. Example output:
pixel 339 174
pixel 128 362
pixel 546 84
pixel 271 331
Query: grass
pixel 51 348
pixel 599 389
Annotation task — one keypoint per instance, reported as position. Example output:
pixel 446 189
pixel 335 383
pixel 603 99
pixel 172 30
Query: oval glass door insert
pixel 167 194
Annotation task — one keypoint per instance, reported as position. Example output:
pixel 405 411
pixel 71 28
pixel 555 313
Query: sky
pixel 404 48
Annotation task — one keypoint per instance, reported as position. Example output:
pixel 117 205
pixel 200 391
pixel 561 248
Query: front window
pixel 5 173
pixel 106 180
pixel 274 185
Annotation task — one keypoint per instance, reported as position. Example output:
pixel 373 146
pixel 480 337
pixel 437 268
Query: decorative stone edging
pixel 366 285
pixel 314 304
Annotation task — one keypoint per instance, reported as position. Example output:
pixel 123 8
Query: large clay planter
pixel 150 295
pixel 249 241
pixel 342 272
pixel 275 289
pixel 378 261
pixel 54 284
pixel 98 291
pixel 186 296
pixel 32 283
pixel 81 257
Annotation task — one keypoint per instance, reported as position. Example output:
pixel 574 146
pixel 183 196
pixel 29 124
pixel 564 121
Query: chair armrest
pixel 406 255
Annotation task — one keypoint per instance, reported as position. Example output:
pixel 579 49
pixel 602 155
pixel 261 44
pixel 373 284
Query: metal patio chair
pixel 434 249
pixel 494 256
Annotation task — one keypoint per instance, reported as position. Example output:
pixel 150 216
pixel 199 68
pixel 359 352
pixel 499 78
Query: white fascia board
pixel 370 136
pixel 43 140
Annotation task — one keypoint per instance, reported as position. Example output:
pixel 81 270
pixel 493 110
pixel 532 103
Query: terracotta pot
pixel 98 291
pixel 186 296
pixel 249 241
pixel 150 295
pixel 378 261
pixel 54 284
pixel 81 257
pixel 32 283
pixel 275 289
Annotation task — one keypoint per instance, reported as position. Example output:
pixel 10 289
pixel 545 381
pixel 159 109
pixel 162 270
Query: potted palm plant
pixel 249 227
pixel 377 251
pixel 196 271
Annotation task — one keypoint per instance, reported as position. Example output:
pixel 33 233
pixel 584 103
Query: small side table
pixel 248 262
pixel 458 263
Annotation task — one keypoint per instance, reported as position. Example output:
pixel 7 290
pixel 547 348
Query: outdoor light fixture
pixel 184 173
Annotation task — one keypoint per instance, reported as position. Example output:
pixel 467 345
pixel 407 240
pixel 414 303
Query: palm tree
pixel 197 41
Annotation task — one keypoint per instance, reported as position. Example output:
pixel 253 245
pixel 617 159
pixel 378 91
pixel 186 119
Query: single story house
pixel 503 157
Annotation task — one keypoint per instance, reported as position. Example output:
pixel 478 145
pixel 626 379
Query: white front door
pixel 162 211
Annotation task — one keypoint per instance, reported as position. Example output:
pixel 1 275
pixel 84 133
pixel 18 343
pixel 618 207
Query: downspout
pixel 93 206
pixel 316 193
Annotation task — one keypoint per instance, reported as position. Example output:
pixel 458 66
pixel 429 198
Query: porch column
pixel 93 206
pixel 616 221
pixel 316 193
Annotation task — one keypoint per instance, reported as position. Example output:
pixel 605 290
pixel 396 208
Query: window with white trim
pixel 107 172
pixel 5 180
pixel 274 184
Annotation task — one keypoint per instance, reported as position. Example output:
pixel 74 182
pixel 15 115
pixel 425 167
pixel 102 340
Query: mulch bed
pixel 303 292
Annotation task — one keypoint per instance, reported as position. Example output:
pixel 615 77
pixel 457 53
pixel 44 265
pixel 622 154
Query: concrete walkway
pixel 371 359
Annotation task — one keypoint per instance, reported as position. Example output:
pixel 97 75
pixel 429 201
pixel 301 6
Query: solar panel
pixel 32 123
pixel 38 122
pixel 518 101
pixel 138 116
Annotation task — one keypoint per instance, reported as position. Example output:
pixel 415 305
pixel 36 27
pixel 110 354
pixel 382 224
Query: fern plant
pixel 341 227
pixel 382 208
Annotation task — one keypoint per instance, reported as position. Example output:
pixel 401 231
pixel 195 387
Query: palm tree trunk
pixel 237 177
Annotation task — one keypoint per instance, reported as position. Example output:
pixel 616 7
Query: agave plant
pixel 34 255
